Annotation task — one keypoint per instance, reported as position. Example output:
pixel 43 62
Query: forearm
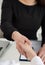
pixel 6 19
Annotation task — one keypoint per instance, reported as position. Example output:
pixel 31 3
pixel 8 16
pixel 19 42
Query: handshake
pixel 24 46
pixel 27 51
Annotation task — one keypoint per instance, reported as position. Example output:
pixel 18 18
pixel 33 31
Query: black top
pixel 23 18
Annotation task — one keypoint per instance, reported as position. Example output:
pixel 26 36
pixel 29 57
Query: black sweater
pixel 23 18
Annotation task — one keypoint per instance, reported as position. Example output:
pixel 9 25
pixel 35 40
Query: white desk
pixel 13 54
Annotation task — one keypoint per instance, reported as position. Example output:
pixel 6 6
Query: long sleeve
pixel 43 30
pixel 6 19
pixel 36 61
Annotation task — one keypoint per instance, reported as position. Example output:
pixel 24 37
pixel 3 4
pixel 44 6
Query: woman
pixel 20 21
pixel 31 55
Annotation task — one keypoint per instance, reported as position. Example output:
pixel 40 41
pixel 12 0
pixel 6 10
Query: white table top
pixel 12 54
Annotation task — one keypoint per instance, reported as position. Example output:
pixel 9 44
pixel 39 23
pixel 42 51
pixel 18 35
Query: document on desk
pixel 9 62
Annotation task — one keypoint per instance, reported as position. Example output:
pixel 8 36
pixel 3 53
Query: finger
pixel 22 46
pixel 25 47
pixel 40 54
pixel 20 50
pixel 39 51
pixel 43 59
pixel 18 47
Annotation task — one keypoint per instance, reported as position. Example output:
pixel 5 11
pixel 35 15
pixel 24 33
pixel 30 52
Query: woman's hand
pixel 29 52
pixel 20 39
pixel 41 53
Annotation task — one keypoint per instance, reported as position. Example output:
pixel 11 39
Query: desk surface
pixel 13 54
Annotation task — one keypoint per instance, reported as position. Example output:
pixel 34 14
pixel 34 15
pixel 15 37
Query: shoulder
pixel 9 1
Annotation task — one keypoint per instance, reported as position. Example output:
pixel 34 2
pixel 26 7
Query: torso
pixel 27 19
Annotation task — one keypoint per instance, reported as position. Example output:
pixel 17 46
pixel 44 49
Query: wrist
pixel 31 54
pixel 14 35
pixel 36 61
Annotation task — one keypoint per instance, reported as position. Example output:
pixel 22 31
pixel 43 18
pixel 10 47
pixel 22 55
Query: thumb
pixel 24 46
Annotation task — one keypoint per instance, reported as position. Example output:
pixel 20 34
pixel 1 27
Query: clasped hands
pixel 26 50
pixel 24 46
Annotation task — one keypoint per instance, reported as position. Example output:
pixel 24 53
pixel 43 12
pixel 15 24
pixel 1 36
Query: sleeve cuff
pixel 36 61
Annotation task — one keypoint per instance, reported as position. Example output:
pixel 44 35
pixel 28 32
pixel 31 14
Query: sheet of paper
pixel 9 62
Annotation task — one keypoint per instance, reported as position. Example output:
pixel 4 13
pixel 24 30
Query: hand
pixel 20 39
pixel 41 53
pixel 29 53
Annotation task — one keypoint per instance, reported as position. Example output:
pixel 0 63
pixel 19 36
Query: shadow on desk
pixel 1 34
